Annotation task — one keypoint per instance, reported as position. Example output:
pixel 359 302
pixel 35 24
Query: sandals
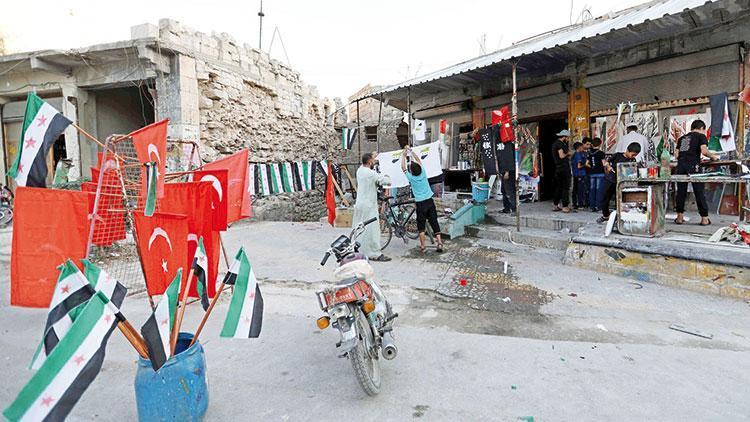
pixel 708 223
pixel 381 258
pixel 439 248
pixel 556 209
pixel 676 221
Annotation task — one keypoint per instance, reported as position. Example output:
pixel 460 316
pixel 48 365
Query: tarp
pixel 49 226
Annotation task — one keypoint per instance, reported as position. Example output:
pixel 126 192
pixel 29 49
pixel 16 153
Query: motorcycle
pixel 6 206
pixel 358 309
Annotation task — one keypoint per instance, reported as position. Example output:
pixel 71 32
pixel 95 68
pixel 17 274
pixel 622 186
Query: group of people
pixel 594 176
pixel 366 207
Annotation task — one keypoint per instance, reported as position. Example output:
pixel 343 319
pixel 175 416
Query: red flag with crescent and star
pixel 238 201
pixel 218 178
pixel 162 247
pixel 150 145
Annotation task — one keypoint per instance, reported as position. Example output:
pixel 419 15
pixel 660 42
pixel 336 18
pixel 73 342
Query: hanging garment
pixel 420 130
pixel 489 160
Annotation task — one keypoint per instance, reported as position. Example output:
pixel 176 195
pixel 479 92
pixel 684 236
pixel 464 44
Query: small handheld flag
pixel 200 269
pixel 157 329
pixel 245 315
pixel 152 176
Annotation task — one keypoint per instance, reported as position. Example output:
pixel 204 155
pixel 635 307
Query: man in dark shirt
pixel 610 176
pixel 688 152
pixel 562 171
pixel 595 164
pixel 507 163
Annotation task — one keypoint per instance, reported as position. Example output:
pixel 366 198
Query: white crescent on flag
pixel 216 184
pixel 192 237
pixel 153 150
pixel 158 231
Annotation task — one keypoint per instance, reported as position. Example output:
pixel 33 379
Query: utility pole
pixel 260 31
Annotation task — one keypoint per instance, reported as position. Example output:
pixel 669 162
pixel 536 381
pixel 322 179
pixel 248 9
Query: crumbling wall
pixel 247 99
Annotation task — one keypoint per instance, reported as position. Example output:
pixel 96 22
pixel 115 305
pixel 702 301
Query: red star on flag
pixel 46 401
pixel 107 318
pixel 20 168
pixel 65 289
pixel 247 319
pixel 29 143
pixel 251 295
pixel 165 322
pixel 79 360
pixel 202 260
pixel 40 121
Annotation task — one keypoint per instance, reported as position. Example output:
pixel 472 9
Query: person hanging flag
pixel 200 270
pixel 245 314
pixel 42 125
pixel 152 177
pixel 71 291
pixel 157 329
pixel 68 371
pixel 330 198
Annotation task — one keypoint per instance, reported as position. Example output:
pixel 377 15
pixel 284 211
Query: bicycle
pixel 397 219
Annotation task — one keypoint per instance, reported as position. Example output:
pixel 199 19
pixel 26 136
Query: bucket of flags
pixel 178 390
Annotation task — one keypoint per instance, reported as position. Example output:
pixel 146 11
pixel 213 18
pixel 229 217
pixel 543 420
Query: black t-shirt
pixel 560 163
pixel 689 146
pixel 595 161
pixel 506 156
pixel 487 150
pixel 616 159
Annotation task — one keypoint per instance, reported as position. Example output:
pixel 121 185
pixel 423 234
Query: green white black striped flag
pixel 101 281
pixel 56 387
pixel 287 177
pixel 200 271
pixel 245 314
pixel 152 176
pixel 157 329
pixel 42 125
pixel 72 290
pixel 276 183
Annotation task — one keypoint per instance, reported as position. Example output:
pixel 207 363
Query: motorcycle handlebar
pixel 372 220
pixel 325 258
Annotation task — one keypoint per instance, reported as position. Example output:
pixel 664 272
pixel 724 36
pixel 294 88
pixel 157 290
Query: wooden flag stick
pixel 183 304
pixel 86 134
pixel 338 189
pixel 134 337
pixel 208 312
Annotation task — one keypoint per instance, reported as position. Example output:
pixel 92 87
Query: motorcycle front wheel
pixel 6 216
pixel 366 367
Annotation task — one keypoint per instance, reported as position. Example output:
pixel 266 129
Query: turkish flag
pixel 162 245
pixel 330 197
pixel 238 199
pixel 505 120
pixel 220 200
pixel 444 126
pixel 150 145
pixel 194 200
pixel 49 226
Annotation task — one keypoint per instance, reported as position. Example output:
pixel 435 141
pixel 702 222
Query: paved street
pixel 570 345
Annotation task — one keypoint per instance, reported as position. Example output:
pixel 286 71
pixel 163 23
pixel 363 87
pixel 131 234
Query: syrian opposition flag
pixel 152 178
pixel 200 271
pixel 56 387
pixel 245 314
pixel 42 125
pixel 71 291
pixel 101 281
pixel 157 329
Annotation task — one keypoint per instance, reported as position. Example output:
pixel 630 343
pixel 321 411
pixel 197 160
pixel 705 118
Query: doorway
pixel 548 130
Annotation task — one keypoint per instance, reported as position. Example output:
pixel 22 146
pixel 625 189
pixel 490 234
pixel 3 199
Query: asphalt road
pixel 570 345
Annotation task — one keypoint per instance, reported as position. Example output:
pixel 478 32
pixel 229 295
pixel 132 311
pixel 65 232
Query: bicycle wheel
pixel 386 232
pixel 408 219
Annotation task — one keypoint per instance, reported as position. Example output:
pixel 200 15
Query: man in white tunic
pixel 366 207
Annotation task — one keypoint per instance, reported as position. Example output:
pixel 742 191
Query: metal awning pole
pixel 359 133
pixel 408 111
pixel 514 111
pixel 380 119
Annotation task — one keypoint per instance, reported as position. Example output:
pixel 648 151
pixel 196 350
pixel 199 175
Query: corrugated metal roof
pixel 651 11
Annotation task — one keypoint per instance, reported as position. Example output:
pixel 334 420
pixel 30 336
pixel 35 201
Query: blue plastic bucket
pixel 178 391
pixel 480 191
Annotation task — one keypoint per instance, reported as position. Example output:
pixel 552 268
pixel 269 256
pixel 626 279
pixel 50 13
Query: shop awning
pixel 551 51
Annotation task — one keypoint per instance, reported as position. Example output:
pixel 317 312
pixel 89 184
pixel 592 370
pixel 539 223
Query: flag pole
pixel 134 337
pixel 517 147
pixel 208 312
pixel 178 320
pixel 97 196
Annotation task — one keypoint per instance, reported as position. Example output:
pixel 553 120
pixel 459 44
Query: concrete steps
pixel 535 237
pixel 544 223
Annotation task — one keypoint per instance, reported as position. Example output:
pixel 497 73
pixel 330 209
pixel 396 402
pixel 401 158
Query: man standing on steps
pixel 366 207
pixel 561 155
pixel 506 156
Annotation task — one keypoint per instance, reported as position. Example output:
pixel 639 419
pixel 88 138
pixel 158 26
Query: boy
pixel 610 176
pixel 596 174
pixel 420 188
pixel 579 176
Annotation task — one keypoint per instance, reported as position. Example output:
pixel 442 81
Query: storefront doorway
pixel 547 131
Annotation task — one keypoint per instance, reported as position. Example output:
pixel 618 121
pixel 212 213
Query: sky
pixel 337 45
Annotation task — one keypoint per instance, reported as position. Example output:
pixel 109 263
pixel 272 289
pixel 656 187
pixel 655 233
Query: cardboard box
pixel 343 217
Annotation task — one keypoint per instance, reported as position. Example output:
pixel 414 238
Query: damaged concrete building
pixel 214 90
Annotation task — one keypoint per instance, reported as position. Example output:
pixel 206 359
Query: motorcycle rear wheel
pixel 366 367
pixel 6 215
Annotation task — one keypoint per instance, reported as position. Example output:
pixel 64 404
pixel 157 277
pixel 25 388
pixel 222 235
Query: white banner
pixel 390 163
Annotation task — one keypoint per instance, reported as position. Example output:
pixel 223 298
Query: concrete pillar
pixel 72 141
pixel 177 99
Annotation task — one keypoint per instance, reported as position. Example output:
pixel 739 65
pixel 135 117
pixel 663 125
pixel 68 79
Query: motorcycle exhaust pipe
pixel 389 348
